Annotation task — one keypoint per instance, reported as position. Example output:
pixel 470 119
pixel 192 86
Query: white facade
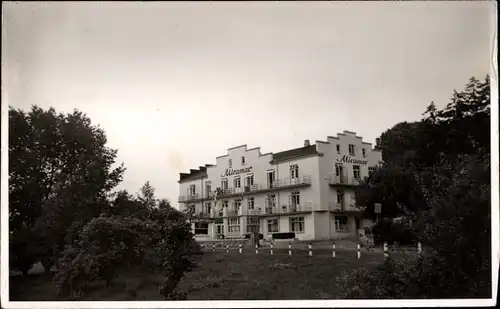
pixel 307 190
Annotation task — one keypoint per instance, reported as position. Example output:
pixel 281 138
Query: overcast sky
pixel 176 84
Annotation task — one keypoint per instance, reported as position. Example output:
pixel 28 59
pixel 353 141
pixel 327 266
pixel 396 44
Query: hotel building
pixel 307 190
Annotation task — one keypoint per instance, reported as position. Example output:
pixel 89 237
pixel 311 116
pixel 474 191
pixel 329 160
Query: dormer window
pixel 364 152
pixel 242 160
pixel 351 150
pixel 338 148
pixel 230 163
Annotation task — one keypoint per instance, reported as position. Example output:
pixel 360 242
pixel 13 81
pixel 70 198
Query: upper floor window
pixel 371 170
pixel 294 171
pixel 249 180
pixel 243 161
pixel 364 152
pixel 237 182
pixel 250 203
pixel 192 189
pixel 223 184
pixel 338 148
pixel 356 171
pixel 230 163
pixel 225 203
pixel 351 150
pixel 295 198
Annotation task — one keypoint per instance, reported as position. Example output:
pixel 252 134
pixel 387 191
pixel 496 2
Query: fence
pixel 271 247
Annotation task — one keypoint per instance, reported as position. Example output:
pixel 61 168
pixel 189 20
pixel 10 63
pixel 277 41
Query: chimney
pixel 307 143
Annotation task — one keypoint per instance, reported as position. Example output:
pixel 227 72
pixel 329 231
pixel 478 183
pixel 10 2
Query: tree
pixel 452 175
pixel 60 171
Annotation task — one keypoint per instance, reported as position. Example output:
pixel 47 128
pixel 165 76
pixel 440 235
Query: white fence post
pixel 272 249
pixel 256 249
pixel 310 250
pixel 240 248
pixel 359 251
pixel 419 248
pixel 333 254
pixel 227 248
pixel 290 249
pixel 386 251
pixel 213 247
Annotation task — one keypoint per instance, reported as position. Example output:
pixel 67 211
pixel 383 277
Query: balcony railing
pixel 340 207
pixel 191 197
pixel 288 209
pixel 279 184
pixel 342 180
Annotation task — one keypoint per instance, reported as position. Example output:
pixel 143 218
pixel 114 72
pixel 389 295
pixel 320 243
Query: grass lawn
pixel 222 275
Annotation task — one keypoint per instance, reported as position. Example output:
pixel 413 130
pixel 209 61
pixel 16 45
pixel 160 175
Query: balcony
pixel 288 209
pixel 343 207
pixel 279 184
pixel 343 180
pixel 190 198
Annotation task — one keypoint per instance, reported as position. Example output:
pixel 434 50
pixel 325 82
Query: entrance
pixel 219 231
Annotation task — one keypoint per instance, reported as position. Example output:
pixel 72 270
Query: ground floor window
pixel 201 228
pixel 252 225
pixel 233 225
pixel 273 226
pixel 341 224
pixel 297 224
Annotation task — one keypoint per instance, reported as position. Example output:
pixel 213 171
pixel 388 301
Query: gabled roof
pixel 194 174
pixel 294 153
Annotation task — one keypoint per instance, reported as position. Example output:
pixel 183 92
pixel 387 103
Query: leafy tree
pixel 60 171
pixel 452 175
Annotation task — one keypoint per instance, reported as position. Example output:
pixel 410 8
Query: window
pixel 252 225
pixel 243 161
pixel 249 181
pixel 371 170
pixel 192 189
pixel 273 226
pixel 225 203
pixel 219 221
pixel 341 224
pixel 297 224
pixel 271 200
pixel 237 205
pixel 208 207
pixel 209 188
pixel 237 182
pixel 294 171
pixel 250 203
pixel 338 169
pixel 338 148
pixel 223 184
pixel 364 152
pixel 295 200
pixel 356 172
pixel 233 225
pixel 351 150
pixel 340 197
pixel 201 228
pixel 230 163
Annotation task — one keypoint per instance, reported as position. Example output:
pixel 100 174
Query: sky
pixel 175 84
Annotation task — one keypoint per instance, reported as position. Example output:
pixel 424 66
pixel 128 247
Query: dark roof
pixel 295 153
pixel 194 174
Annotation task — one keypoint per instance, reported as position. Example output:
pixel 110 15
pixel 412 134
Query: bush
pixel 388 231
pixel 248 235
pixel 289 235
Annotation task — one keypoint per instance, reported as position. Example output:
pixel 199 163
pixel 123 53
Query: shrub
pixel 388 231
pixel 289 235
pixel 249 235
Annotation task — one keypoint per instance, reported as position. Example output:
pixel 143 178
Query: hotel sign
pixel 230 171
pixel 347 159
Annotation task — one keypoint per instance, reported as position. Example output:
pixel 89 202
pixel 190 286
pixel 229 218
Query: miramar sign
pixel 347 159
pixel 230 171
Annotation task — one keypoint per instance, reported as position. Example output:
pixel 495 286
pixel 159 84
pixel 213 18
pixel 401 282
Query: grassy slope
pixel 224 276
